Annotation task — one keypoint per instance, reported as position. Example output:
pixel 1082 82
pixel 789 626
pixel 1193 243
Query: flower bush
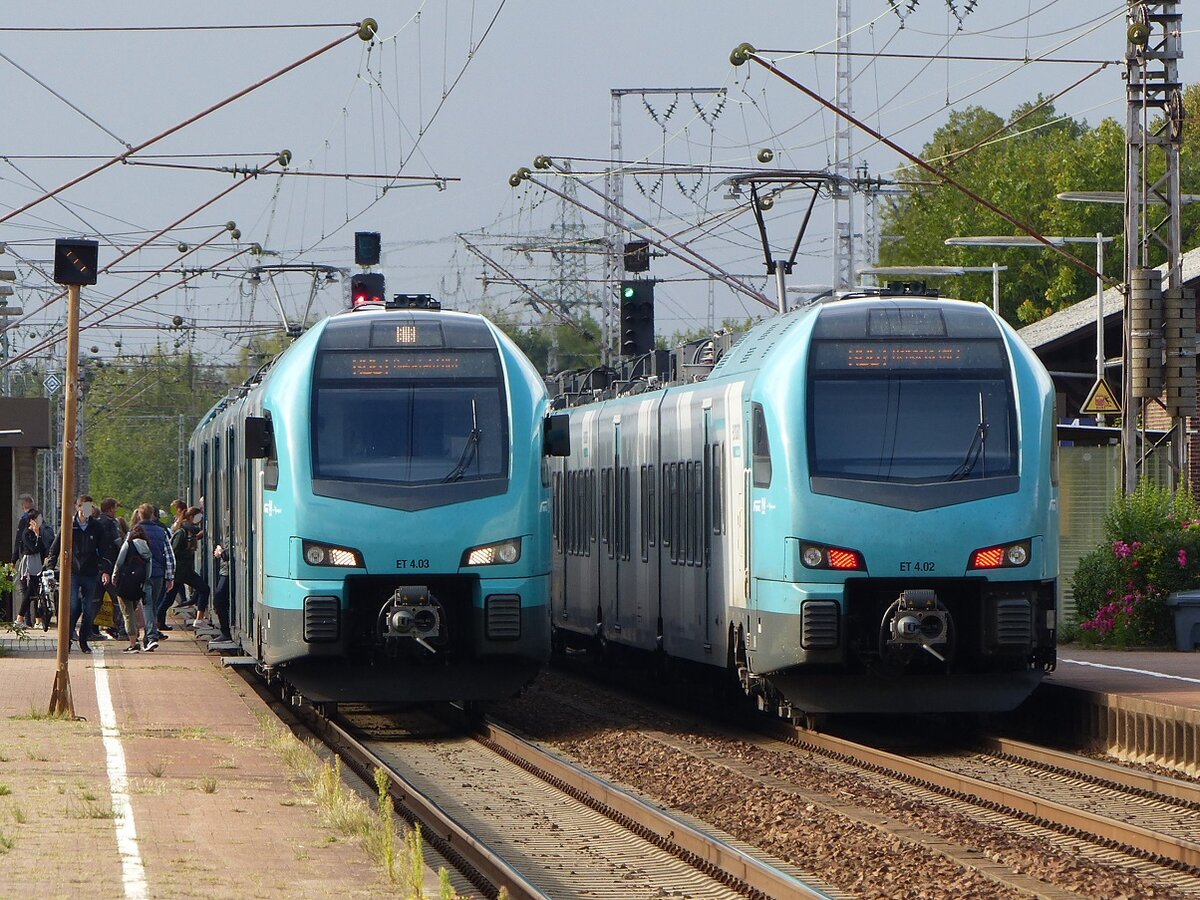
pixel 1151 549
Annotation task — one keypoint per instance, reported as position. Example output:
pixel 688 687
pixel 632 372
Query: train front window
pixel 915 412
pixel 409 421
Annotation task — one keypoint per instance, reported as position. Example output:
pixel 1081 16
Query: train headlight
pixel 1001 556
pixel 500 553
pixel 316 554
pixel 820 556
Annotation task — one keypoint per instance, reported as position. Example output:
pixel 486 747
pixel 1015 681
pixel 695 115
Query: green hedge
pixel 1151 550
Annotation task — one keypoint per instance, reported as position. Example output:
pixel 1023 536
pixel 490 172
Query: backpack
pixel 131 579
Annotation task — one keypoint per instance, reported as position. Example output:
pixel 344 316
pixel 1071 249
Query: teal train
pixel 382 491
pixel 856 511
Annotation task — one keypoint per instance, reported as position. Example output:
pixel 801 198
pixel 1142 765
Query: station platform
pixel 1168 677
pixel 169 783
pixel 1137 706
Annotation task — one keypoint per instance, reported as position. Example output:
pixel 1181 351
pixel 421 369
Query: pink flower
pixel 1121 550
pixel 1182 558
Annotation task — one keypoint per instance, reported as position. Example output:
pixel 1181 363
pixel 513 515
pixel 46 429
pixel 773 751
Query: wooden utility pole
pixel 60 700
pixel 74 265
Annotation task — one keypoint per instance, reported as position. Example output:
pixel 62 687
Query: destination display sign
pixel 411 364
pixel 907 355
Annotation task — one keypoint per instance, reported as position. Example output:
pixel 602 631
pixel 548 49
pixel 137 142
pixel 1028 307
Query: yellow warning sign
pixel 1100 401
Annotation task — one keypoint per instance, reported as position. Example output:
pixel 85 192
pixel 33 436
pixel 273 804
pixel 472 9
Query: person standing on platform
pixel 129 577
pixel 162 572
pixel 221 591
pixel 185 534
pixel 33 548
pixel 27 505
pixel 89 569
pixel 113 536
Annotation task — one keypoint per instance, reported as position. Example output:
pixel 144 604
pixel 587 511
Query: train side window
pixel 695 515
pixel 591 510
pixel 685 488
pixel 681 522
pixel 605 505
pixel 652 505
pixel 626 510
pixel 644 512
pixel 669 508
pixel 576 495
pixel 718 525
pixel 555 516
pixel 573 512
pixel 762 447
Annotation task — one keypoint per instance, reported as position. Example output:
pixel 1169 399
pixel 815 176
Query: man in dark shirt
pixel 89 568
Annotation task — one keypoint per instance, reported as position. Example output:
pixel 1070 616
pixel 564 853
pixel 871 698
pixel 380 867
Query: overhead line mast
pixel 1159 316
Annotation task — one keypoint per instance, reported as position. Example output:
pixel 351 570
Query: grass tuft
pixel 209 785
pixel 349 815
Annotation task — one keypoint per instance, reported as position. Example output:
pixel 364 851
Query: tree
pixel 138 417
pixel 1021 172
pixel 567 346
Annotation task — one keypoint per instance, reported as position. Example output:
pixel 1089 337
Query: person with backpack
pixel 129 576
pixel 162 571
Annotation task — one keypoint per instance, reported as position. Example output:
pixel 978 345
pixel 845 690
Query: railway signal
pixel 367 287
pixel 637 317
pixel 366 248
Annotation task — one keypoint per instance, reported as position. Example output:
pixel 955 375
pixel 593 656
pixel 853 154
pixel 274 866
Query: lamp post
pixel 936 271
pixel 1024 240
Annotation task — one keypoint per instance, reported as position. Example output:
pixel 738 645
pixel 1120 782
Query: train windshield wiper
pixel 470 448
pixel 977 449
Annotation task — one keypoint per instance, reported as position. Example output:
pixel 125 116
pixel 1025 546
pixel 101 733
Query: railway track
pixel 1116 817
pixel 503 812
pixel 542 827
pixel 1073 813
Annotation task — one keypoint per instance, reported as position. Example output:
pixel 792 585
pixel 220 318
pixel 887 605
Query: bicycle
pixel 46 603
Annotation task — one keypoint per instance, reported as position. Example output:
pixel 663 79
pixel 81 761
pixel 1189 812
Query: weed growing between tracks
pixel 350 816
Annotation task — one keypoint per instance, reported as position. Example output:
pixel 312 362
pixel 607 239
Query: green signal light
pixel 627 293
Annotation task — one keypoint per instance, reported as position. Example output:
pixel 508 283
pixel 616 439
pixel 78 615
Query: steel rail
pixel 711 855
pixel 454 842
pixel 1175 853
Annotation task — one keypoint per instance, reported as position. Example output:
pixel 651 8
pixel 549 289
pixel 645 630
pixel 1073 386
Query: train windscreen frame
pixel 409 428
pixel 933 412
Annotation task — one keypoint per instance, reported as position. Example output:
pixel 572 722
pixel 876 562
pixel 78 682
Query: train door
pixel 228 534
pixel 578 610
pixel 758 478
pixel 637 587
pixel 608 461
pixel 704 523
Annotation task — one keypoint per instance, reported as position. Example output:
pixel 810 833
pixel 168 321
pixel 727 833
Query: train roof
pixel 860 317
pixel 382 327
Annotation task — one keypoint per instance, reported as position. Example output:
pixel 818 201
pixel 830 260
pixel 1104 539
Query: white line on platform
pixel 1096 665
pixel 132 871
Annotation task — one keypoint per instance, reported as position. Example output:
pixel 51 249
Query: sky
pixel 456 96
